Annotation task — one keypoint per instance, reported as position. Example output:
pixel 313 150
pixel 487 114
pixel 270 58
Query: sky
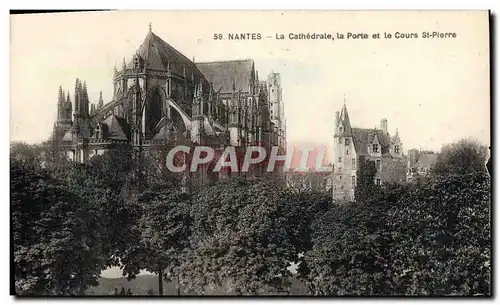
pixel 433 91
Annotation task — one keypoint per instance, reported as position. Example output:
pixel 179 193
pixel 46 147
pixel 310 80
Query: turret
pixel 85 101
pixel 101 102
pixel 77 98
pixel 343 124
pixel 68 108
pixel 60 105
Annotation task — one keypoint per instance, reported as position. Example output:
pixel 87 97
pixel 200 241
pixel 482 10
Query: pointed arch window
pixel 155 110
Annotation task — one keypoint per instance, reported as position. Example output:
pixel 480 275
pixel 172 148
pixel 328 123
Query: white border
pixel 205 5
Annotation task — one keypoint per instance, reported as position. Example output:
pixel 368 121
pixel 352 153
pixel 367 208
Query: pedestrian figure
pixel 116 291
pixel 129 292
pixel 123 291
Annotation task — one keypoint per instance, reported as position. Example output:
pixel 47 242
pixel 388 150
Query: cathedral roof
pixel 363 137
pixel 159 55
pixel 223 74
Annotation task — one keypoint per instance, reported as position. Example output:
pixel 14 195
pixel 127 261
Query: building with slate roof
pixel 422 167
pixel 376 145
pixel 160 96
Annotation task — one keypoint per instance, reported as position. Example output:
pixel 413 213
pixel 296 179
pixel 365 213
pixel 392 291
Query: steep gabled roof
pixel 344 117
pixel 223 74
pixel 157 54
pixel 363 137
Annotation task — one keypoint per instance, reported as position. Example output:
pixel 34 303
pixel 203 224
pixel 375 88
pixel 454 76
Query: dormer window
pixel 347 141
pixel 396 149
pixel 340 129
pixel 375 148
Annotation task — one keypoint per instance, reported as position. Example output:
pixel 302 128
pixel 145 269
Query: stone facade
pixel 373 144
pixel 162 97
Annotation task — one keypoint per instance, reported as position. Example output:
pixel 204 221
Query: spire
pixel 77 86
pixel 115 71
pixel 344 120
pixel 68 107
pixel 60 104
pixel 84 90
pixel 124 65
pixel 101 102
pixel 61 95
pixel 150 28
pixel 77 97
pixel 84 102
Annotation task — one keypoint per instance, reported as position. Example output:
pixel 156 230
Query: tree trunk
pixel 160 280
pixel 178 286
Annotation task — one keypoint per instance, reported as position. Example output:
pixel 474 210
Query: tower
pixel 60 106
pixel 63 122
pixel 277 109
pixel 344 157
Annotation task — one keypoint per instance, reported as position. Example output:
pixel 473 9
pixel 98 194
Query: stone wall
pixel 393 170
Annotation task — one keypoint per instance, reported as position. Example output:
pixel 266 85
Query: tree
pixel 463 157
pixel 105 183
pixel 30 155
pixel 55 246
pixel 245 234
pixel 365 183
pixel 164 233
pixel 239 238
pixel 433 239
pixel 443 237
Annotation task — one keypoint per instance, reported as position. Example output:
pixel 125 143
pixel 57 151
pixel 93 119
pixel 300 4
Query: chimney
pixel 383 125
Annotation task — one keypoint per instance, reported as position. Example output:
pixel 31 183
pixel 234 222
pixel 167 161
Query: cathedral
pixel 376 145
pixel 160 96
